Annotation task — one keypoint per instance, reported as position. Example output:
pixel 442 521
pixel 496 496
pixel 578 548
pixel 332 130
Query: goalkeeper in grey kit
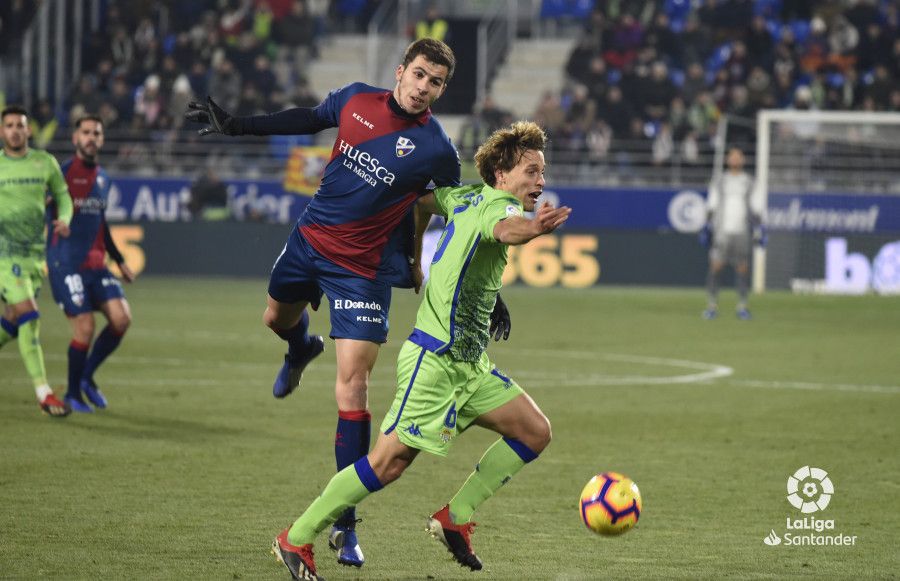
pixel 734 222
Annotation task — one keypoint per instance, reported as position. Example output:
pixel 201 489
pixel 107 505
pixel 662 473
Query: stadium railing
pixel 183 153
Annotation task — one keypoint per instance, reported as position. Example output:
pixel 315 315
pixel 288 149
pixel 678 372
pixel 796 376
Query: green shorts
pixel 439 397
pixel 20 278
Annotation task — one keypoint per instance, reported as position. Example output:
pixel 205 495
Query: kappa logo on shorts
pixel 414 430
pixel 16 270
pixel 405 146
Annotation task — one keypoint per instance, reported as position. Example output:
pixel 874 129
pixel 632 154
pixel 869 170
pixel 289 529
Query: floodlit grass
pixel 194 468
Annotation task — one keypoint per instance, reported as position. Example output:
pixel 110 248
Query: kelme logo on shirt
pixel 404 146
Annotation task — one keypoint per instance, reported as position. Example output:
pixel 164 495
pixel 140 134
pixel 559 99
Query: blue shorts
pixel 83 291
pixel 358 306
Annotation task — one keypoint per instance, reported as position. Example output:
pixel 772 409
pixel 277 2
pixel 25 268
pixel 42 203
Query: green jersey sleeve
pixel 495 210
pixel 450 199
pixel 441 199
pixel 56 183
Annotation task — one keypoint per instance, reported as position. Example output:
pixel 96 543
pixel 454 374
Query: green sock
pixel 500 463
pixel 343 491
pixel 30 349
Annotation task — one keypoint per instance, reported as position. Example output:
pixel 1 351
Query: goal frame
pixel 764 120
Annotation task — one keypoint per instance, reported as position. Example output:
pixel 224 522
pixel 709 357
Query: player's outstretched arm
pixel 517 230
pixel 296 121
pixel 59 191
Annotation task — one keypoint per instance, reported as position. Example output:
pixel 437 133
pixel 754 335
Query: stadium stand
pixel 634 91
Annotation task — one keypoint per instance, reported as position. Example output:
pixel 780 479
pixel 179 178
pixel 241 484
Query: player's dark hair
pixel 434 51
pixel 14 110
pixel 88 117
pixel 505 147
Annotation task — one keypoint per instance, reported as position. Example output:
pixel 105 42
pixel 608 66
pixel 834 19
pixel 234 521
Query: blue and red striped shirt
pixel 85 248
pixel 382 161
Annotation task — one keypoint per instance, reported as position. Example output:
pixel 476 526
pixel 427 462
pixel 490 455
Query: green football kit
pixel 24 182
pixel 445 379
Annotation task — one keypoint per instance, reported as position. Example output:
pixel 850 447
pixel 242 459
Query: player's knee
pixel 84 331
pixel 268 319
pixel 356 384
pixel 120 324
pixel 542 433
pixel 536 433
pixel 119 328
pixel 391 470
pixel 352 394
pixel 389 467
pixel 352 380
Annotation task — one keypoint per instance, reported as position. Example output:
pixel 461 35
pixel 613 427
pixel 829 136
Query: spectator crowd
pixel 645 79
pixel 652 78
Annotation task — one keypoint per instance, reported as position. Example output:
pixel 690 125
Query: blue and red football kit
pixel 79 278
pixel 354 241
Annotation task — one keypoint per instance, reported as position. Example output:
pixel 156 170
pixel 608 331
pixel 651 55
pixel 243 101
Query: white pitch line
pixel 706 373
pixel 164 361
pixel 812 386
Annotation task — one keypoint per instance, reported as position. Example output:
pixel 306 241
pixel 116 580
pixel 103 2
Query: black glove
pixel 218 119
pixel 500 323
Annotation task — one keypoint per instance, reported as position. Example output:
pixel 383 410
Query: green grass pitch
pixel 194 468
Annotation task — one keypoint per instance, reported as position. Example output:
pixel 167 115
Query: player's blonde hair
pixel 506 146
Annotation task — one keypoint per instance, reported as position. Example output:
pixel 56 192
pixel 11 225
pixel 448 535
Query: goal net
pixel 831 182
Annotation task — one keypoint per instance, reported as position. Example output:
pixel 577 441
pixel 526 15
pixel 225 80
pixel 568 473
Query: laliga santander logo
pixel 809 489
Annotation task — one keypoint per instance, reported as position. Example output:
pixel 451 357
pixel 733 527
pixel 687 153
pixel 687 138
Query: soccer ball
pixel 610 504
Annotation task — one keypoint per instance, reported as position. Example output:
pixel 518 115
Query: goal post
pixel 826 176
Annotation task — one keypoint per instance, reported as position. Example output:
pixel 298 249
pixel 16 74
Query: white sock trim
pixel 43 391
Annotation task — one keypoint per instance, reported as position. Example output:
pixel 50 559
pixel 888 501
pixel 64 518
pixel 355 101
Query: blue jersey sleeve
pixel 447 173
pixel 301 120
pixel 329 110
